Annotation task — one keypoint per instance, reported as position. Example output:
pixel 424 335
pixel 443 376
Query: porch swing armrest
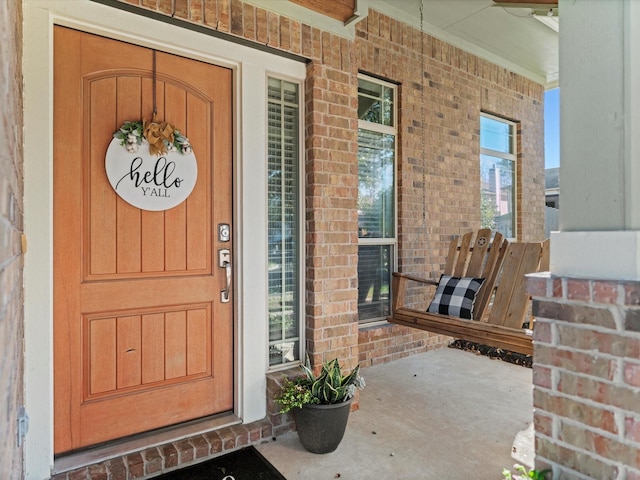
pixel 399 287
pixel 426 281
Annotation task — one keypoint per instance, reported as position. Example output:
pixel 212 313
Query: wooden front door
pixel 142 339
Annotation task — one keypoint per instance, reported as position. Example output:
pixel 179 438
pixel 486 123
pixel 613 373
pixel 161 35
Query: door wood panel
pixel 141 340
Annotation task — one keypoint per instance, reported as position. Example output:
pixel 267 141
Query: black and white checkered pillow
pixel 455 296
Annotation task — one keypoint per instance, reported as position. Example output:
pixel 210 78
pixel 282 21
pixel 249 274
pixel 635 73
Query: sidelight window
pixel 284 238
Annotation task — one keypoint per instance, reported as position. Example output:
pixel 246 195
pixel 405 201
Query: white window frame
pixel 513 156
pixel 386 130
pixel 301 232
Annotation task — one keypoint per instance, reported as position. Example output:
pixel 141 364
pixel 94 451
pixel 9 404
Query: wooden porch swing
pixel 500 310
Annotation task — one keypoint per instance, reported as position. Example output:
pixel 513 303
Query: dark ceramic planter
pixel 321 427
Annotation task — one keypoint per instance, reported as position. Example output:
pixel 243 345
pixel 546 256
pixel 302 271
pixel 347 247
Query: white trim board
pixel 599 255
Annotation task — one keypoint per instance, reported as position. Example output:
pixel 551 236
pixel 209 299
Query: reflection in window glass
pixel 496 135
pixel 375 102
pixel 497 195
pixel 375 264
pixel 498 175
pixel 283 225
pixel 376 198
pixel 376 153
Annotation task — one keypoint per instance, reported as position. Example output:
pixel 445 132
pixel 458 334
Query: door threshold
pixel 119 448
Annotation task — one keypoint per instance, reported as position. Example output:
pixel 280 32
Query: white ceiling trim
pixel 413 19
pixel 406 11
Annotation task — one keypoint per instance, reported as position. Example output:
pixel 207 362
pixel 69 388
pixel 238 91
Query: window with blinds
pixel 376 197
pixel 283 221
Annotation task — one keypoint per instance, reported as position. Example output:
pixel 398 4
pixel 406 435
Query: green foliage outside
pixel 487 212
pixel 531 474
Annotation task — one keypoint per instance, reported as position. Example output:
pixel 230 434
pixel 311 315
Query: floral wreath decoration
pixel 162 137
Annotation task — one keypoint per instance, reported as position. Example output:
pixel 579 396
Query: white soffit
pixel 510 37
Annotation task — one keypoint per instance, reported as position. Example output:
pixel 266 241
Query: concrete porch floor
pixel 444 414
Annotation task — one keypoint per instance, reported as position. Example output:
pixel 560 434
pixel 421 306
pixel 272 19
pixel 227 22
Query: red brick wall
pixel 439 169
pixel 331 201
pixel 11 260
pixel 438 166
pixel 587 376
pixel 438 156
pixel 442 91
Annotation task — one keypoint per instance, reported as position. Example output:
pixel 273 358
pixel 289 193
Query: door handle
pixel 224 259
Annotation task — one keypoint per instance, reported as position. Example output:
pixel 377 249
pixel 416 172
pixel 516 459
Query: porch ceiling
pixel 516 34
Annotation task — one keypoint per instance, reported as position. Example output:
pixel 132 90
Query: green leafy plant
pixel 166 137
pixel 532 474
pixel 329 387
pixel 295 394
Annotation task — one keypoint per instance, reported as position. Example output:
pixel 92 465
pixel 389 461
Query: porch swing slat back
pixel 501 306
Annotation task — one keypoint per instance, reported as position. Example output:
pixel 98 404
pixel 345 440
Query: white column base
pixel 606 255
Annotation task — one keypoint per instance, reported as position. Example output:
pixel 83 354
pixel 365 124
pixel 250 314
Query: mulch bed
pixel 493 353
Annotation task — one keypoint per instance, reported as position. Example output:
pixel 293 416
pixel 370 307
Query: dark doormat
pixel 245 464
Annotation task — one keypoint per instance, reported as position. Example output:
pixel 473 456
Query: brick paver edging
pixel 154 461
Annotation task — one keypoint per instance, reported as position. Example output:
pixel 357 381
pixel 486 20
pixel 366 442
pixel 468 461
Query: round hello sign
pixel 151 166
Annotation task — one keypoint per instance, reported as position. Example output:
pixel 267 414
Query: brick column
pixel 586 376
pixel 331 185
pixel 587 330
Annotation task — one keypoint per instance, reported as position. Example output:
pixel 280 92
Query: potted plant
pixel 531 474
pixel 320 404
